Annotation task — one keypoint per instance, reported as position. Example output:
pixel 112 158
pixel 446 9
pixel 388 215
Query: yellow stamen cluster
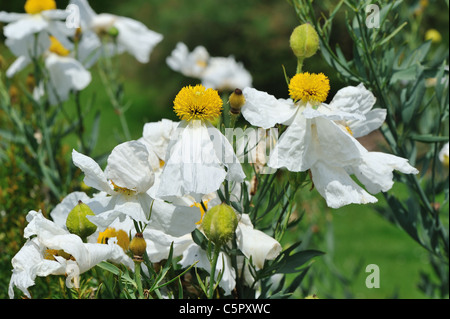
pixel 122 190
pixel 122 238
pixel 57 47
pixel 308 87
pixel 202 211
pixel 50 254
pixel 197 103
pixel 36 6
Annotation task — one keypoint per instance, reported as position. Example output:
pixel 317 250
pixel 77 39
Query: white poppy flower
pixel 319 139
pixel 219 73
pixel 199 157
pixel 64 71
pixel 444 154
pixel 191 64
pixel 226 74
pixel 357 99
pixel 41 17
pixel 125 183
pixel 52 250
pixel 133 36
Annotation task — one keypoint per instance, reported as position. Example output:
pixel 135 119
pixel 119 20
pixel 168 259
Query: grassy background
pixel 255 32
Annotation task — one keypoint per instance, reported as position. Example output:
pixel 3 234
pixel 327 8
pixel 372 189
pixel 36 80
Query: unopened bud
pixel 138 247
pixel 304 41
pixel 236 100
pixel 113 32
pixel 219 224
pixel 77 222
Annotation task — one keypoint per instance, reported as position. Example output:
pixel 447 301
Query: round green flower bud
pixel 138 247
pixel 304 41
pixel 113 31
pixel 219 224
pixel 77 222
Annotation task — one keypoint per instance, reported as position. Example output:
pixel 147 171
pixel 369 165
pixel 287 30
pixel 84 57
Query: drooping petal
pixel 376 170
pixel 225 152
pixel 256 244
pixel 66 74
pixel 337 187
pixel 94 176
pixel 334 145
pixel 136 38
pixel 264 110
pixel 294 149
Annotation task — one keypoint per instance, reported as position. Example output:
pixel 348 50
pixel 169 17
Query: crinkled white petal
pixel 376 170
pixel 94 176
pixel 28 25
pixel 256 244
pixel 86 12
pixel 337 187
pixel 136 38
pixel 66 74
pixel 18 65
pixel 353 99
pixel 9 17
pixel 24 267
pixel 294 149
pixel 192 166
pixel 128 166
pixel 374 119
pixel 331 114
pixel 225 74
pixel 157 136
pixel 334 145
pixel 225 152
pixel 264 110
pixel 195 254
pixel 158 244
pixel 173 220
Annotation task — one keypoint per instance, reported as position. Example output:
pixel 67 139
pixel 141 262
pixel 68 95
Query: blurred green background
pixel 256 33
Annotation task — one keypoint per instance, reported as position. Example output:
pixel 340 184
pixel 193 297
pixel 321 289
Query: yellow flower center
pixel 349 130
pixel 197 103
pixel 122 190
pixel 50 254
pixel 122 238
pixel 57 47
pixel 36 6
pixel 446 160
pixel 308 87
pixel 202 211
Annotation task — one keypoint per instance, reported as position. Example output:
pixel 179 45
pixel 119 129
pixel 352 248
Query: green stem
pixel 213 270
pixel 137 278
pixel 299 65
